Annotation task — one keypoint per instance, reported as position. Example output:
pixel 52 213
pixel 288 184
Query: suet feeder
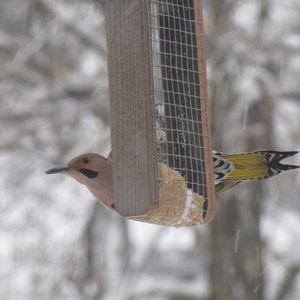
pixel 160 126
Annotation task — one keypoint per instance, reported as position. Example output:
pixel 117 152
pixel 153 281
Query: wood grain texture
pixel 205 113
pixel 131 108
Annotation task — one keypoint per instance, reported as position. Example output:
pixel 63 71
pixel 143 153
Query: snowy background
pixel 57 242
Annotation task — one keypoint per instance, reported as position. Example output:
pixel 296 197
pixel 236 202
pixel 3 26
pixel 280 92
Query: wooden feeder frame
pixel 131 88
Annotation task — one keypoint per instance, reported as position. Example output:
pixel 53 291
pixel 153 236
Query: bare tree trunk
pixel 236 269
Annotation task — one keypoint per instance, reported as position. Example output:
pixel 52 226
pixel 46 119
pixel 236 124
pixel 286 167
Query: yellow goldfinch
pixel 230 169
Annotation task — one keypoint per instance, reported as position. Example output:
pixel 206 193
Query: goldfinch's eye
pixel 85 160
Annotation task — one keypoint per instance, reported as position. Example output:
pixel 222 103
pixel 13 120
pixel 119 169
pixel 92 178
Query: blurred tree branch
pixel 287 282
pixel 63 15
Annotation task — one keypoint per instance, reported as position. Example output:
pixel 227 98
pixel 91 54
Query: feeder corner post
pixel 130 93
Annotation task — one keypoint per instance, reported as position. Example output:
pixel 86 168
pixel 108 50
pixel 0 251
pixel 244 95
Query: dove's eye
pixel 85 160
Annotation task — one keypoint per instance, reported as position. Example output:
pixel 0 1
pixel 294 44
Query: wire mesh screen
pixel 181 125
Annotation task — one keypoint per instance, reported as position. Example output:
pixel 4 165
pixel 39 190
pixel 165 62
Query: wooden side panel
pixel 205 112
pixel 131 108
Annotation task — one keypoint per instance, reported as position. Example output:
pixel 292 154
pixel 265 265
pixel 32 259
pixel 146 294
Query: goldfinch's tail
pixel 224 185
pixel 251 165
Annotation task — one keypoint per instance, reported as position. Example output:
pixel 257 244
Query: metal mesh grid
pixel 181 126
